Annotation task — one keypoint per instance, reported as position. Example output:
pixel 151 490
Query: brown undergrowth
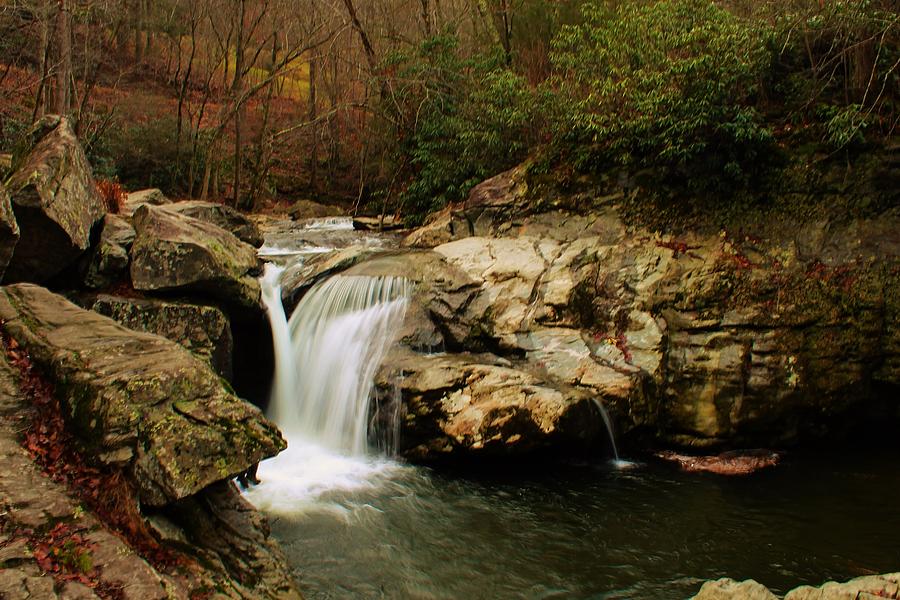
pixel 64 551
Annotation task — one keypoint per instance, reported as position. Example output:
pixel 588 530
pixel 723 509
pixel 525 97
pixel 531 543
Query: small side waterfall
pixel 327 355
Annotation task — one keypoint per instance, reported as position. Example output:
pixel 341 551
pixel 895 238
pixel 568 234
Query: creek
pixel 358 524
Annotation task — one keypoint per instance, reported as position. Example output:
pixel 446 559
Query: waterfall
pixel 328 353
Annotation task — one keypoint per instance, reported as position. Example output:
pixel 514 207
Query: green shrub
pixel 671 82
pixel 461 120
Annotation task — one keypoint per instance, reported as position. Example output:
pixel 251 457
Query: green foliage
pixel 662 83
pixel 460 120
pixel 836 73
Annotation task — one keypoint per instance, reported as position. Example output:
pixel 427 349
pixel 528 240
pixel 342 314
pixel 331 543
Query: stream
pixel 358 525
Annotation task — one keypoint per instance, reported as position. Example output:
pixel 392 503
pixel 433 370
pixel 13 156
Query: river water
pixel 364 526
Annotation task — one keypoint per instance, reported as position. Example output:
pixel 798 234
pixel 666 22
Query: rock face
pixel 108 261
pixel 710 340
pixel 174 252
pixel 55 201
pixel 138 401
pixel 204 330
pixel 224 216
pixel 870 587
pixel 9 230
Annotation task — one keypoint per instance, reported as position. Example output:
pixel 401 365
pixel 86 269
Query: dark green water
pixel 590 531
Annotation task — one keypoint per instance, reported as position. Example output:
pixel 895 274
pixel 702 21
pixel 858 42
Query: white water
pixel 326 357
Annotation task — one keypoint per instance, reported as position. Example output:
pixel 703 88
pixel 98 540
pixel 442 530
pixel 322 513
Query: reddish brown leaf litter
pixel 113 195
pixel 106 492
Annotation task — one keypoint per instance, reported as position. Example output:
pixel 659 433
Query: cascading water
pixel 339 335
pixel 326 357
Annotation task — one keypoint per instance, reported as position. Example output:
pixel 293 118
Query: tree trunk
pixel 236 88
pixel 311 117
pixel 62 97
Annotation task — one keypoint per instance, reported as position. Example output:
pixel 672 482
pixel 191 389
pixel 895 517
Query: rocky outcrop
pixel 9 230
pixel 55 201
pixel 108 261
pixel 203 330
pixel 53 544
pixel 138 401
pixel 707 340
pixel 174 252
pixel 223 216
pixel 135 200
pixel 869 587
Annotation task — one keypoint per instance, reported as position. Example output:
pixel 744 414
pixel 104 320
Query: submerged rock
pixel 108 261
pixel 55 201
pixel 727 463
pixel 174 252
pixel 204 330
pixel 138 401
pixel 223 216
pixel 9 230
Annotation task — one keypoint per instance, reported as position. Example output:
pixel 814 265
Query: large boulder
pixel 307 209
pixel 9 229
pixel 108 261
pixel 56 203
pixel 204 330
pixel 224 216
pixel 174 252
pixel 464 405
pixel 138 401
pixel 151 196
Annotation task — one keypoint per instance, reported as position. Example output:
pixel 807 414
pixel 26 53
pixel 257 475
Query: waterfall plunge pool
pixel 373 528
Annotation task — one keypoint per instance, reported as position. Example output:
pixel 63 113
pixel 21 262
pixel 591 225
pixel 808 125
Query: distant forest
pixel 403 105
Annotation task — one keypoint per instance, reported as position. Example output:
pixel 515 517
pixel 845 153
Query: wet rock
pixel 298 278
pixel 223 216
pixel 307 209
pixel 388 223
pixel 138 401
pixel 174 252
pixel 736 462
pixel 108 261
pixel 475 405
pixel 9 230
pixel 55 201
pixel 135 200
pixel 227 531
pixel 729 589
pixel 204 330
pixel 870 587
